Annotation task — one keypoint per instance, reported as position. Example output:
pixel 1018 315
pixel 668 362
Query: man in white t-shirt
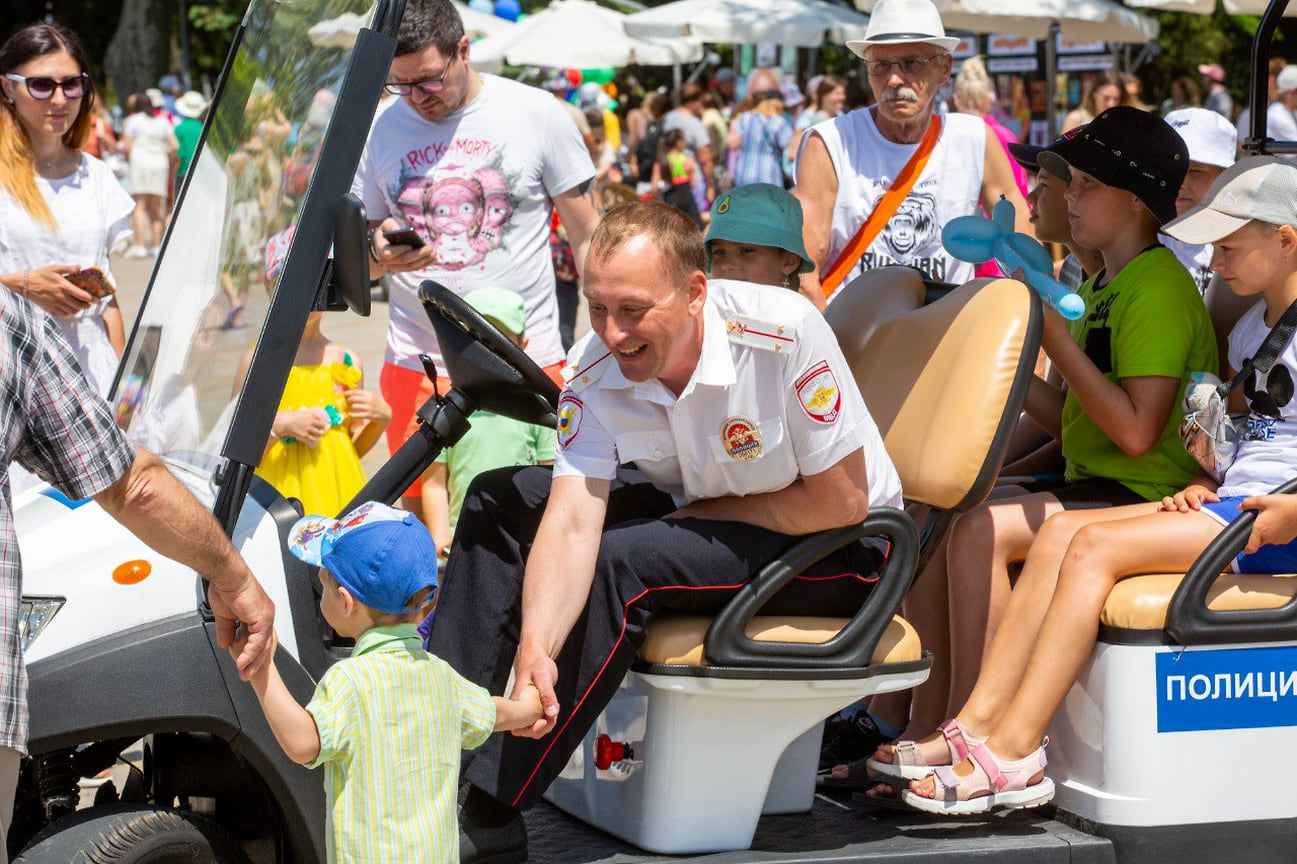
pixel 845 165
pixel 1212 142
pixel 736 405
pixel 698 144
pixel 475 164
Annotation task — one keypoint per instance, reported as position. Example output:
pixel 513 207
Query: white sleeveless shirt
pixel 866 164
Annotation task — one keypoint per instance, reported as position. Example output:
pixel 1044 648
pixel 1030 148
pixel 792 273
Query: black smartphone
pixel 404 237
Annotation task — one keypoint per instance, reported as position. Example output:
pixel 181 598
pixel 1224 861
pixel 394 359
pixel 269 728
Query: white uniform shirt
pixel 771 399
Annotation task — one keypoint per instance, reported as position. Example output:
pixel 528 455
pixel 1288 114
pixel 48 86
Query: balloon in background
pixel 977 239
pixel 599 76
pixel 486 7
pixel 509 10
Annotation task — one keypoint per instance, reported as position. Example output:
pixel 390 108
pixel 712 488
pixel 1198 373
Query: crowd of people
pixel 689 446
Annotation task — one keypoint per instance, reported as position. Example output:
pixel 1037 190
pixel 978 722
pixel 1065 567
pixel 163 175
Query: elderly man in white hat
pixel 847 165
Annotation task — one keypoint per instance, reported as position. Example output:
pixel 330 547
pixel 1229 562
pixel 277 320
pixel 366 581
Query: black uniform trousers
pixel 645 565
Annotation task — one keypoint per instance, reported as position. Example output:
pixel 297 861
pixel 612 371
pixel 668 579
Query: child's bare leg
pixel 983 544
pixel 1100 555
pixel 925 608
pixel 1010 650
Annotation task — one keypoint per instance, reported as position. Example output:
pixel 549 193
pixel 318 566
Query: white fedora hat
pixel 899 22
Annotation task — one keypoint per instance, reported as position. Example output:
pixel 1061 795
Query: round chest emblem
pixel 742 438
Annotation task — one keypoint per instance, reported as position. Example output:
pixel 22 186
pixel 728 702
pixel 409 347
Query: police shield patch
pixel 818 393
pixel 569 418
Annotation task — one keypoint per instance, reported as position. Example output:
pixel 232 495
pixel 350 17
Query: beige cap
pixel 1263 188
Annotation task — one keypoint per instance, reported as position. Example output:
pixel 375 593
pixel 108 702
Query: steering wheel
pixel 486 365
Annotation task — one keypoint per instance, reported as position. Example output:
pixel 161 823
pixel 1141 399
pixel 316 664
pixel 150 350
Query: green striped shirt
pixel 392 721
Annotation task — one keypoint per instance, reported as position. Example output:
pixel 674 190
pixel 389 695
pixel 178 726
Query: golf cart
pixel 709 747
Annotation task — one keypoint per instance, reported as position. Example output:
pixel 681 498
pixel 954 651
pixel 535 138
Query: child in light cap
pixel 755 235
pixel 492 442
pixel 1212 143
pixel 388 724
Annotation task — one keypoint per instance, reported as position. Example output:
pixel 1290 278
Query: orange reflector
pixel 132 572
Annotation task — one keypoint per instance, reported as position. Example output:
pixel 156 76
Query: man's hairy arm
pixel 817 190
pixel 833 498
pixel 556 587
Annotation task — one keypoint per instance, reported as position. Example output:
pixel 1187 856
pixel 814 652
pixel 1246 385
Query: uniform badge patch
pixel 569 418
pixel 741 438
pixel 817 391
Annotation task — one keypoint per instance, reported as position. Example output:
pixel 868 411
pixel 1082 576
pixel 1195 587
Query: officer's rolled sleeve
pixel 585 447
pixel 821 443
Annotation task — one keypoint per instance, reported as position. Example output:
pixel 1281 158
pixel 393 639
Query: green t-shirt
pixel 1149 320
pixel 492 442
pixel 187 132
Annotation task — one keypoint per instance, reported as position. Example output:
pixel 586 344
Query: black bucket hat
pixel 1130 149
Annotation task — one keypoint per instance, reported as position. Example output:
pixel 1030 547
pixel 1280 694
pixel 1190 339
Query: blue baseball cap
pixel 381 555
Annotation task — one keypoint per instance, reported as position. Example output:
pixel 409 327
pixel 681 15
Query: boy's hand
pixel 241 641
pixel 536 670
pixel 1276 521
pixel 529 699
pixel 1190 498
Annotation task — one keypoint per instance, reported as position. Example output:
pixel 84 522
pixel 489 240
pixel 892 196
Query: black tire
pixel 130 834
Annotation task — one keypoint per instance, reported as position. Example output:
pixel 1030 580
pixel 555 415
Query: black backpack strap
pixel 1268 352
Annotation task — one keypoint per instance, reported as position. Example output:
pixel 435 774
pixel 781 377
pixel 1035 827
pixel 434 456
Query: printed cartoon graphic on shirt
pixel 912 236
pixel 818 393
pixel 1098 335
pixel 1267 398
pixel 463 207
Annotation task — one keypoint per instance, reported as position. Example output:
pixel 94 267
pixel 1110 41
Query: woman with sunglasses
pixel 60 209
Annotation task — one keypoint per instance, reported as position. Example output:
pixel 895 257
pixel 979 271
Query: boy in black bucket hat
pixel 1125 363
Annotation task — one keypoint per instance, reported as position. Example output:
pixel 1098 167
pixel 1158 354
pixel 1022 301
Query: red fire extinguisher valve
pixel 608 751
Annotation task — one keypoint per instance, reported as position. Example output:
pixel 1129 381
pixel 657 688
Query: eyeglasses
pixel 909 66
pixel 427 85
pixel 43 88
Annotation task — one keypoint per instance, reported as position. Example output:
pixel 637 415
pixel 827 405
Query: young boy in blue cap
pixel 388 723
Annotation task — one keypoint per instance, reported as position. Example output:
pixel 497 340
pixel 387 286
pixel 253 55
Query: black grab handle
pixel 727 642
pixel 1190 622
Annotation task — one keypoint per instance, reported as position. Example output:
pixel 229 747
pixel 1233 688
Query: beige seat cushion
pixel 1140 602
pixel 677 640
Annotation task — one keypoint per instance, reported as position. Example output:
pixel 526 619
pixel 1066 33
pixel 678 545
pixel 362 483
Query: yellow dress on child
pixel 326 476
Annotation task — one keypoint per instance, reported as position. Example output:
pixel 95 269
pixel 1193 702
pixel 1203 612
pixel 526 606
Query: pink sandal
pixel 909 762
pixel 990 783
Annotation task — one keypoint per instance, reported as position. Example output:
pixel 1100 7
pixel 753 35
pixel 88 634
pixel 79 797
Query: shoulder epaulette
pixel 588 369
pixel 756 333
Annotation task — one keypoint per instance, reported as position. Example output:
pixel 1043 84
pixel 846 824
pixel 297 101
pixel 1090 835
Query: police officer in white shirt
pixel 736 405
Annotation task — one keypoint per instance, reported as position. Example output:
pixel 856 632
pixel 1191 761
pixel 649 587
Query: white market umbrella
pixel 805 23
pixel 1081 20
pixel 1206 7
pixel 340 32
pixel 578 34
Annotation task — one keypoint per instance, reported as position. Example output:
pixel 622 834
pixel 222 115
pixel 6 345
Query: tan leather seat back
pixel 938 378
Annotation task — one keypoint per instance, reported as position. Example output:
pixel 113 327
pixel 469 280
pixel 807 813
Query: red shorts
pixel 406 390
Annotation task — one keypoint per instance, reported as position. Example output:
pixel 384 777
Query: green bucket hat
pixel 504 307
pixel 761 214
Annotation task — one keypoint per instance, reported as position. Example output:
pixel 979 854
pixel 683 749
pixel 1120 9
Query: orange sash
pixel 883 211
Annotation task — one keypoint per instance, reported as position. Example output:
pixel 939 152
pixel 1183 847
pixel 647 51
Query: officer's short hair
pixel 674 235
pixel 429 22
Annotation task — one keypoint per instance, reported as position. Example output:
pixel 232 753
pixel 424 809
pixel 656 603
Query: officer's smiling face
pixel 652 326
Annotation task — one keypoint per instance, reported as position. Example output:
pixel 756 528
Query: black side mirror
pixel 347 282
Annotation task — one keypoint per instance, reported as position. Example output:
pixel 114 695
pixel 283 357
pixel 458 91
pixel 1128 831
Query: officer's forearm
pixel 560 568
pixel 833 498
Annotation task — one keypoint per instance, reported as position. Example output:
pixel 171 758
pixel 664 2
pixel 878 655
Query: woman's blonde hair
pixel 17 162
pixel 974 92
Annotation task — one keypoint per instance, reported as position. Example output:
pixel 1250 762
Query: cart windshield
pixel 212 284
